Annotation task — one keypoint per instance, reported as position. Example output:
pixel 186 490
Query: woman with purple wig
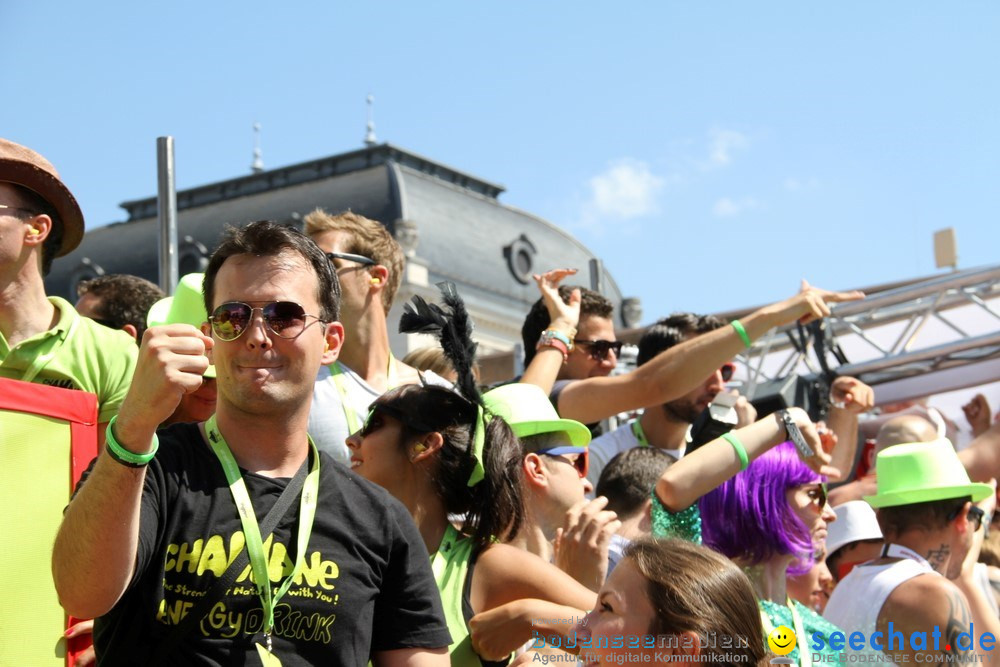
pixel 761 501
pixel 771 519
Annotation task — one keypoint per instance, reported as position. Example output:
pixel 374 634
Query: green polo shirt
pixel 77 353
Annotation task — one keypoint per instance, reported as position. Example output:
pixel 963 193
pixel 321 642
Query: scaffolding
pixel 924 338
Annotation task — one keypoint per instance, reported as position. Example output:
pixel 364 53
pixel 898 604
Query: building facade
pixel 450 224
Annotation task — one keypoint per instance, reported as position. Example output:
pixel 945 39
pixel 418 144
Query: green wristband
pixel 736 324
pixel 124 456
pixel 741 451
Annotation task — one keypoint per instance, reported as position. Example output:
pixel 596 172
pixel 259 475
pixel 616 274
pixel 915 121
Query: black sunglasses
pixel 599 348
pixel 360 259
pixel 727 370
pixel 975 515
pixel 286 319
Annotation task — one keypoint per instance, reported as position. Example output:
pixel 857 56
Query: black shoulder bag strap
pixel 228 578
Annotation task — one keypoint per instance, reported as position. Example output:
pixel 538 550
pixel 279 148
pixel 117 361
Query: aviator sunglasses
pixel 818 496
pixel 599 348
pixel 285 319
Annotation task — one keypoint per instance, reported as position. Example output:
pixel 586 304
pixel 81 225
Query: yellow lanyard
pixel 800 631
pixel 639 434
pixel 351 416
pixel 251 531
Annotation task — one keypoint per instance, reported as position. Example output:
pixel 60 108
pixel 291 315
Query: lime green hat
pixel 186 306
pixel 920 472
pixel 529 412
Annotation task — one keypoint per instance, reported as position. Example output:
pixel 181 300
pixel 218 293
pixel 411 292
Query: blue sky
pixel 712 153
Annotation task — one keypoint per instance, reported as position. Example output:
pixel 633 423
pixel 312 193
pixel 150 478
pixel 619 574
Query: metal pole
pixel 167 213
pixel 596 276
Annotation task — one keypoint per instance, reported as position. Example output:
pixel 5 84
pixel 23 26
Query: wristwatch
pixel 794 435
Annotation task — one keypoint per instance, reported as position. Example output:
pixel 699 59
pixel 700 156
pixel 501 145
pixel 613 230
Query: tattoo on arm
pixel 959 620
pixel 937 557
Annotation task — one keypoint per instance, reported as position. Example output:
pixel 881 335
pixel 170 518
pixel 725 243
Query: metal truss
pixel 927 337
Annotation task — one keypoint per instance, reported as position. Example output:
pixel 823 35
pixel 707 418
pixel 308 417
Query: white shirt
pixel 328 422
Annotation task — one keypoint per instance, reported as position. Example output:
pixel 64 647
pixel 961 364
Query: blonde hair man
pixel 369 264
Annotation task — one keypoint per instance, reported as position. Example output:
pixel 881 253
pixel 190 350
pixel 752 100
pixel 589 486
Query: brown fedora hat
pixel 22 166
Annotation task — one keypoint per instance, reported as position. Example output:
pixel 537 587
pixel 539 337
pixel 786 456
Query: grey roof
pixel 463 229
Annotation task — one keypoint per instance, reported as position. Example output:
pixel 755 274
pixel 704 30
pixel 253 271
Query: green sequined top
pixel 811 622
pixel 685 525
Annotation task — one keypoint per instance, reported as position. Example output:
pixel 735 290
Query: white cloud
pixel 626 189
pixel 723 144
pixel 730 208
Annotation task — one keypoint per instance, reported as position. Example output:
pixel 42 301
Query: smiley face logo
pixel 781 640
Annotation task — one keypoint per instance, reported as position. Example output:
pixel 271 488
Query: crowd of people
pixel 274 487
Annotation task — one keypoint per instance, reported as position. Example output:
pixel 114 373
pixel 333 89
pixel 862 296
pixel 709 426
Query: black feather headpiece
pixel 453 328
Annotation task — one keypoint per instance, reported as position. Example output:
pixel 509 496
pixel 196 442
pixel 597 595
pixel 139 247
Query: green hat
pixel 529 412
pixel 186 306
pixel 921 472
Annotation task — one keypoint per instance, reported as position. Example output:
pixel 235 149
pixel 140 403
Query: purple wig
pixel 749 517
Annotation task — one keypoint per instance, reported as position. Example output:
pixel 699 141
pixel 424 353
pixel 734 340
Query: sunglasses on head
pixel 581 462
pixel 360 259
pixel 285 319
pixel 599 348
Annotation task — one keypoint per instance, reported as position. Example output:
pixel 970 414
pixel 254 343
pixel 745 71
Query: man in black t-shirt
pixel 161 531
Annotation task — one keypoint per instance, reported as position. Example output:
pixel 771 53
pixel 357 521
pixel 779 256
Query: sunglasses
pixel 360 259
pixel 818 496
pixel 285 319
pixel 975 516
pixel 599 348
pixel 581 462
pixel 727 370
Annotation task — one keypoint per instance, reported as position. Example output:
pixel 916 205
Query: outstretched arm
pixel 676 371
pixel 91 574
pixel 707 467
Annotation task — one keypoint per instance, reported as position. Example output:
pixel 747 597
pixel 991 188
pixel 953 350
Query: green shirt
pixel 77 353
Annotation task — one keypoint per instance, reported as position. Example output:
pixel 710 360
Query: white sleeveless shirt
pixel 858 599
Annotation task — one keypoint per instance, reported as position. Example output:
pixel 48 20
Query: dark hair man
pixel 119 301
pixel 625 482
pixel 358 582
pixel 595 353
pixel 43 339
pixel 666 426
